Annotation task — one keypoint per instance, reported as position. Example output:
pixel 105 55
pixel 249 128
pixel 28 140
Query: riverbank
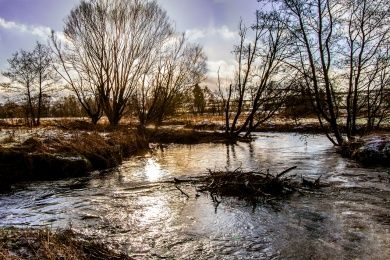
pixel 44 244
pixel 308 125
pixel 71 148
pixel 76 148
pixel 372 149
pixel 51 153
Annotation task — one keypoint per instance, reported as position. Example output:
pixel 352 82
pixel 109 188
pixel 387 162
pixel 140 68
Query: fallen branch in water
pixel 185 194
pixel 286 171
pixel 311 184
pixel 248 185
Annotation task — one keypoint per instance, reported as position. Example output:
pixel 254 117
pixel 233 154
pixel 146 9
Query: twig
pixel 285 171
pixel 177 187
pixel 317 182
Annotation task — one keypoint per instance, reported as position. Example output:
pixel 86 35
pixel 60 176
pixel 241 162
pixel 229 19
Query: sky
pixel 211 23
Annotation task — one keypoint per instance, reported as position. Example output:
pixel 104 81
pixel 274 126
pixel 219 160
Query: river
pixel 135 211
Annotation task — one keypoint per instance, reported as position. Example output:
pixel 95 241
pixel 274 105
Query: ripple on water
pixel 134 210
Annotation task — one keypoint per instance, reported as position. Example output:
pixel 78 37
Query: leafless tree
pixel 367 54
pixel 341 47
pixel 110 43
pixel 77 77
pixel 176 69
pixel 261 82
pixel 31 78
pixel 313 25
pixel 377 95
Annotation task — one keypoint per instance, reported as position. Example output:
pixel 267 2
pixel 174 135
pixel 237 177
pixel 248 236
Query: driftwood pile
pixel 249 185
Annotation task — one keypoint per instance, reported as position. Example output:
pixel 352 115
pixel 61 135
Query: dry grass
pixel 105 151
pixel 184 136
pixel 66 154
pixel 75 124
pixel 43 244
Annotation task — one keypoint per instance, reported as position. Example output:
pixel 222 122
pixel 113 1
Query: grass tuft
pixel 44 244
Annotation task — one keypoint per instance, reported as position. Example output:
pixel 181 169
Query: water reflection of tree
pixel 231 155
pixel 251 150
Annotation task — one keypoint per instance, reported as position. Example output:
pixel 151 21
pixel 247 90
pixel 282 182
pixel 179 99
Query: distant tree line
pixel 63 107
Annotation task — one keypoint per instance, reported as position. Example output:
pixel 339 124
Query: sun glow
pixel 153 170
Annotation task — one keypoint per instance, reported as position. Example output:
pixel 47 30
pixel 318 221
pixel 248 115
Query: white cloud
pixel 2 94
pixel 195 34
pixel 223 31
pixel 226 70
pixel 226 73
pixel 2 80
pixel 40 31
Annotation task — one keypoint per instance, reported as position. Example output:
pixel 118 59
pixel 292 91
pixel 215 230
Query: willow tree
pixel 78 79
pixel 109 45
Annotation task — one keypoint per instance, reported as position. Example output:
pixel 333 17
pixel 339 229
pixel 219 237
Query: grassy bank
pixel 74 148
pixel 44 244
pixel 52 153
pixel 184 136
pixel 370 150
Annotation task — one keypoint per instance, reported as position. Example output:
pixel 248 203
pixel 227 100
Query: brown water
pixel 134 211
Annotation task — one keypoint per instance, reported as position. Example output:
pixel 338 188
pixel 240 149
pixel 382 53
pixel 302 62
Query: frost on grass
pixel 374 149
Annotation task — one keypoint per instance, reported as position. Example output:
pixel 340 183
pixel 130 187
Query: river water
pixel 135 211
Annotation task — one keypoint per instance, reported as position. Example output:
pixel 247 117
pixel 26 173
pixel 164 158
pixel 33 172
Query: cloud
pixel 226 69
pixel 218 42
pixel 226 73
pixel 2 78
pixel 223 31
pixel 195 34
pixel 40 31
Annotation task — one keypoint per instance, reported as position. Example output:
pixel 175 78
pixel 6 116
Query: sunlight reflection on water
pixel 153 170
pixel 133 207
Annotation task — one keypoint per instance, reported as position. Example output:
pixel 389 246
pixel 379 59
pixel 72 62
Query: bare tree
pixel 340 47
pixel 314 24
pixel 31 77
pixel 367 55
pixel 109 46
pixel 377 98
pixel 261 82
pixel 178 67
pixel 77 77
